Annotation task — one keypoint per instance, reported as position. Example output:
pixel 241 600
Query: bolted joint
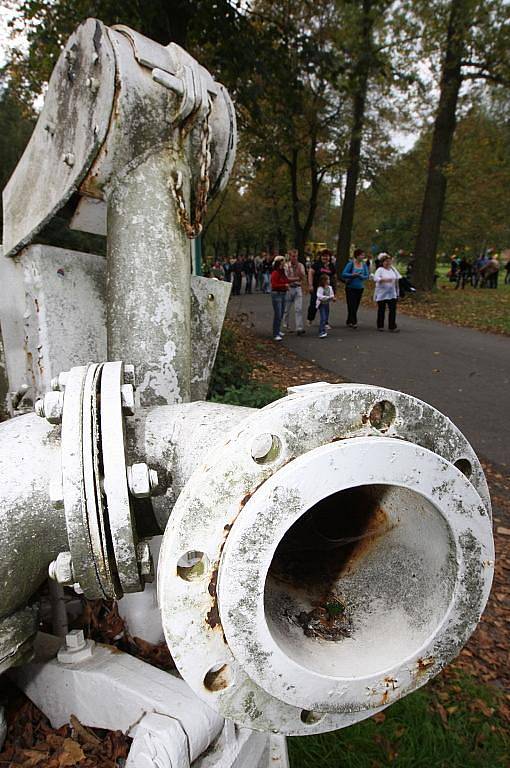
pixel 142 481
pixel 53 407
pixel 145 562
pixel 61 569
pixel 76 648
pixel 58 383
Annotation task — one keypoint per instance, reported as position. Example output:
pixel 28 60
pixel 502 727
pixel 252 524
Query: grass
pixel 481 308
pixel 451 723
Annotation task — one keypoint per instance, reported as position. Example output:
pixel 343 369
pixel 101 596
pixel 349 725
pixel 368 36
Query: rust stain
pixel 385 698
pixel 213 616
pixel 424 663
pixel 213 583
pixel 246 498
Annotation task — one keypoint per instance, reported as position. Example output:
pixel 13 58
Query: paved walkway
pixel 462 372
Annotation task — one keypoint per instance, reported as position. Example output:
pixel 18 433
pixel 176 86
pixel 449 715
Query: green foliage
pixel 231 377
pixel 450 725
pixel 476 209
pixel 231 368
pixel 253 394
pixel 16 124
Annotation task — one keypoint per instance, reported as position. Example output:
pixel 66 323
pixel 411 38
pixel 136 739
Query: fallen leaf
pixel 71 753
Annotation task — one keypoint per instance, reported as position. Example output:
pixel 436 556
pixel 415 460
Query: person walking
pixel 237 274
pixel 296 275
pixel 249 271
pixel 258 271
pixel 279 287
pixel 266 273
pixel 325 295
pixel 386 292
pixel 355 273
pixel 320 267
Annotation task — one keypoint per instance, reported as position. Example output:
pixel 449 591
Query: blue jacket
pixel 355 278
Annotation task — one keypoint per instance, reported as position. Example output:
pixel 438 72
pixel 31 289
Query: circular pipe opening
pixel 382 415
pixel 192 565
pixel 464 466
pixel 310 718
pixel 218 677
pixel 360 581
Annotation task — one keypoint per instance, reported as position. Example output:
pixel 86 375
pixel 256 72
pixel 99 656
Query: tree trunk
pixel 442 137
pixel 302 231
pixel 361 76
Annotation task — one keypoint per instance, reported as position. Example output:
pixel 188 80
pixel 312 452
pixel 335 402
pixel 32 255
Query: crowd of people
pixel 482 272
pixel 291 282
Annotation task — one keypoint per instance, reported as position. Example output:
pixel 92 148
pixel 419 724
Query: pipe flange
pixel 100 523
pixel 416 559
pixel 96 513
pixel 75 502
pixel 224 666
pixel 120 515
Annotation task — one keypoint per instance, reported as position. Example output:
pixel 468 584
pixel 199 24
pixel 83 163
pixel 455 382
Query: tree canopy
pixel 322 89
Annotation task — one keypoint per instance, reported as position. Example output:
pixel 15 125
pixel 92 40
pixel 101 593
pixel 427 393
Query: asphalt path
pixel 462 372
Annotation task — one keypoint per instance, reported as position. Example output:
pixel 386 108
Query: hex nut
pixel 127 398
pixel 54 406
pixel 76 648
pixel 139 480
pixel 142 481
pixel 75 639
pixel 58 383
pixel 61 569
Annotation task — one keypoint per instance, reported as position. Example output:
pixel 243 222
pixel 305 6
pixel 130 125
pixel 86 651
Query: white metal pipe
pixel 148 282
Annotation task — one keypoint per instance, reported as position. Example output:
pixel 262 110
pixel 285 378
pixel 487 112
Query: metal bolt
pixel 53 406
pixel 61 569
pixel 261 446
pixel 145 561
pixel 127 399
pixel 58 383
pixel 142 481
pixel 68 158
pixel 75 640
pixel 129 374
pixel 76 648
pixel 153 482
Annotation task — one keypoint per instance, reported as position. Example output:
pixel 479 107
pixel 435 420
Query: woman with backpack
pixel 354 275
